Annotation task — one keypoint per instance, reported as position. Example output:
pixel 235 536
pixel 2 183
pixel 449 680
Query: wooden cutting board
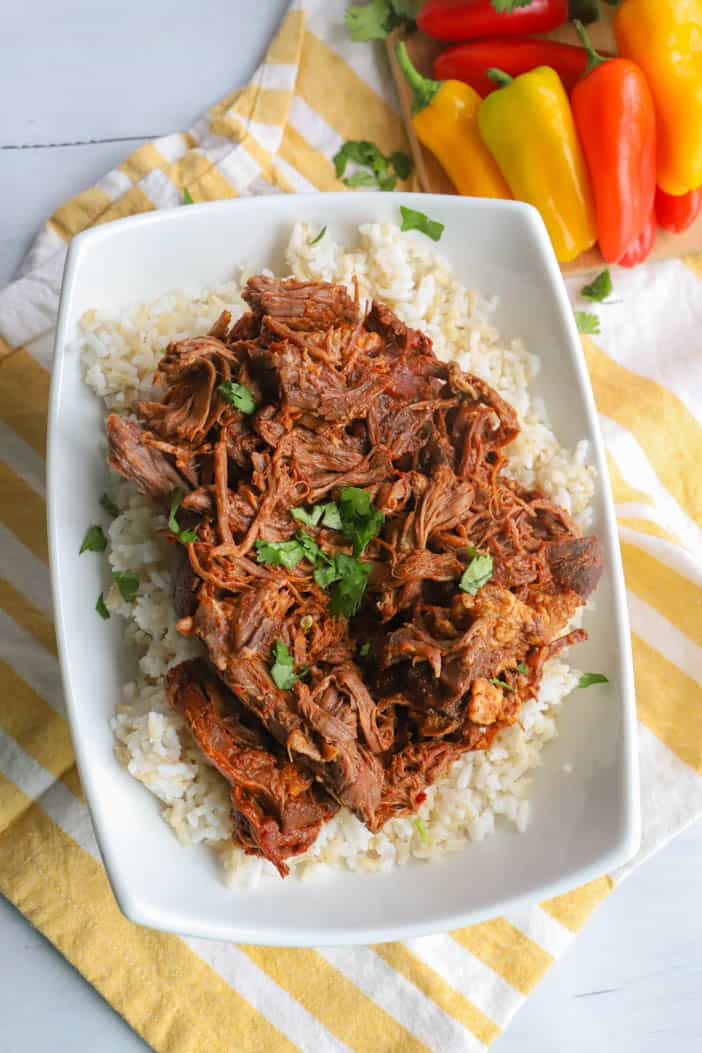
pixel 432 178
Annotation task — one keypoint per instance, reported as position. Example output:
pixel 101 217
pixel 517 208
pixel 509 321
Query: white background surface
pixel 80 85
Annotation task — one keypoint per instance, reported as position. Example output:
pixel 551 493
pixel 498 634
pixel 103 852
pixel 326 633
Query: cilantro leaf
pixel 279 553
pixel 362 178
pixel 176 498
pixel 501 683
pixel 313 553
pixel 364 649
pixel 599 288
pixel 187 197
pixel 360 151
pixel 110 507
pixel 521 667
pixel 327 514
pixel 283 668
pixel 592 678
pixel 413 220
pixel 239 395
pixel 184 536
pixel 348 590
pixel 477 573
pixel 401 163
pixel 128 584
pixel 326 574
pixel 383 171
pixel 369 21
pixel 94 540
pixel 101 608
pixel 310 518
pixel 319 237
pixel 419 827
pixel 331 517
pixel 586 322
pixel 359 520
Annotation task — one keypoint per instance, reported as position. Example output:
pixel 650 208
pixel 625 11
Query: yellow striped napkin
pixel 452 992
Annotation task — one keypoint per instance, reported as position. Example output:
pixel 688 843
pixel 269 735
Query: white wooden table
pixel 81 83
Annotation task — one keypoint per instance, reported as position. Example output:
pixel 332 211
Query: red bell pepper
pixel 641 247
pixel 463 19
pixel 677 213
pixel 616 122
pixel 470 61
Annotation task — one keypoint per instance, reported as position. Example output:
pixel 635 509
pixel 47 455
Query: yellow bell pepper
pixel 664 37
pixel 444 116
pixel 528 127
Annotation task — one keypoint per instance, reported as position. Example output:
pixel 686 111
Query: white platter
pixel 584 823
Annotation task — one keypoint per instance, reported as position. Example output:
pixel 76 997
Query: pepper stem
pixel 593 59
pixel 498 76
pixel 423 89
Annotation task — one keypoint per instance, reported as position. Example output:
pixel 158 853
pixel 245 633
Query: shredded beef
pixel 385 697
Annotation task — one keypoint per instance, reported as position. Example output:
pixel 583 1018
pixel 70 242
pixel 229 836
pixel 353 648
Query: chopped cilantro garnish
pixel 101 608
pixel 94 540
pixel 109 506
pixel 364 649
pixel 501 683
pixel 359 520
pixel 279 553
pixel 187 197
pixel 374 20
pixel 239 395
pixel 350 585
pixel 362 178
pixel 370 21
pixel 325 514
pixel 283 668
pixel 477 573
pixel 319 237
pixel 312 552
pixel 413 220
pixel 521 667
pixel 419 827
pixel 587 323
pixel 376 169
pixel 592 678
pixel 184 536
pixel 401 163
pixel 599 288
pixel 128 584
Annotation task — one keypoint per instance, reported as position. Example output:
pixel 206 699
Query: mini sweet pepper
pixel 529 129
pixel 444 116
pixel 664 37
pixel 616 121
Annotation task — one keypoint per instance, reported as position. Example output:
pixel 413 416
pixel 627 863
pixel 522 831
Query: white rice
pixel 481 789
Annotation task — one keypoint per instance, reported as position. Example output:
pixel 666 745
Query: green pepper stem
pixel 593 59
pixel 499 76
pixel 423 88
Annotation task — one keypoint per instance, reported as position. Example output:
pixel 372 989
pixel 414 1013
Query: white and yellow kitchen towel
pixel 453 992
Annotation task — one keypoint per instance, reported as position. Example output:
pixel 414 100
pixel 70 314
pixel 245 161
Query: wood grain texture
pixel 432 178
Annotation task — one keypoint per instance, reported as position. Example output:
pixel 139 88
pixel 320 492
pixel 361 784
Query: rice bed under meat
pixel 120 356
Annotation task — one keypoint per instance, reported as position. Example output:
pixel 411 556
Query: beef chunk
pixel 278 809
pixel 374 707
pixel 154 473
